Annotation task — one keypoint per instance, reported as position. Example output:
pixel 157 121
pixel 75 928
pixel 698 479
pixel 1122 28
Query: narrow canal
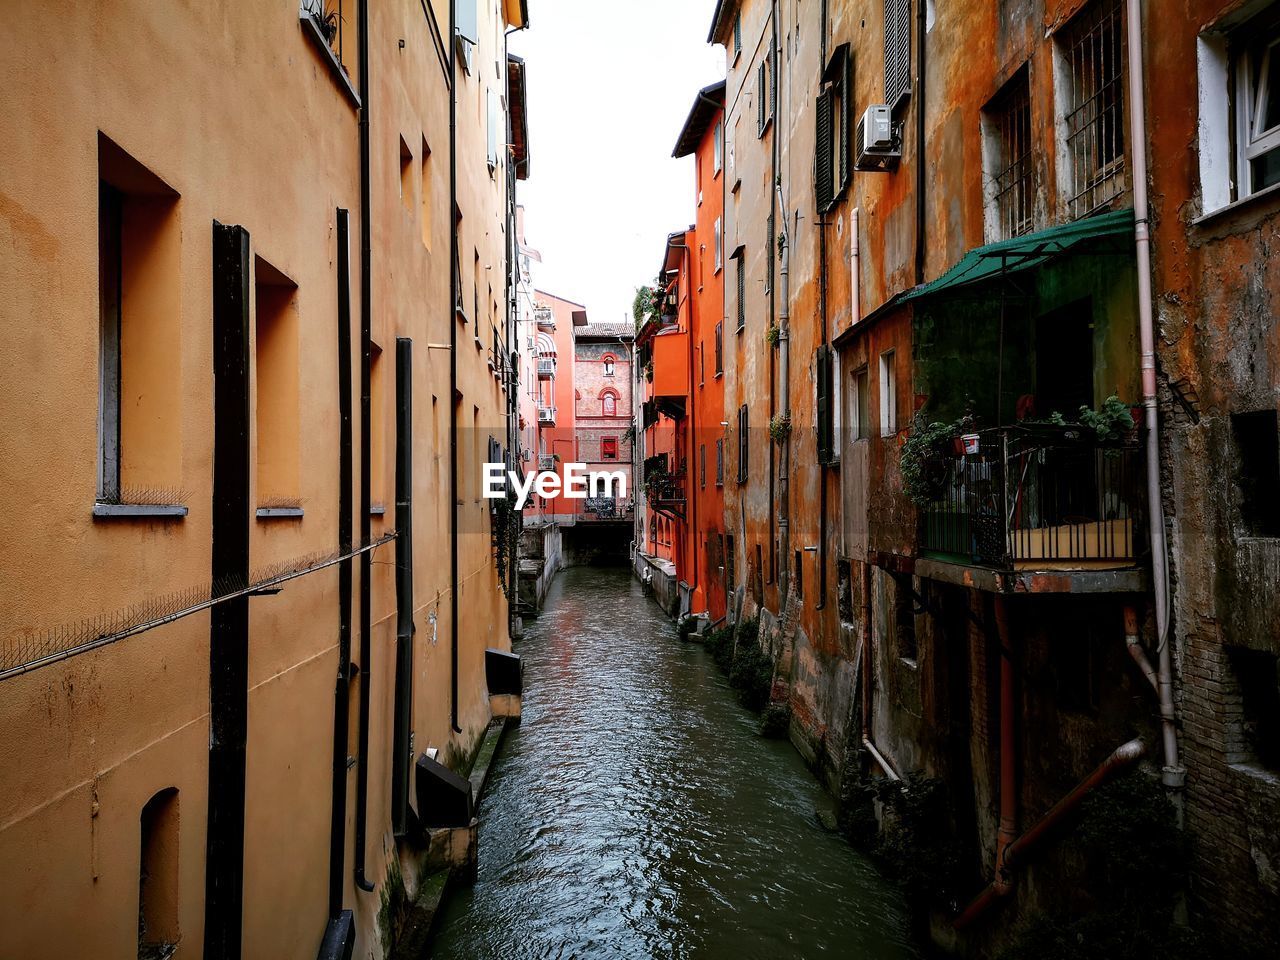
pixel 636 811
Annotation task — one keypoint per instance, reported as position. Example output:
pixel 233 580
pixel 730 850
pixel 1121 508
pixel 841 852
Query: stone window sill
pixel 1272 192
pixel 138 511
pixel 279 513
pixel 312 30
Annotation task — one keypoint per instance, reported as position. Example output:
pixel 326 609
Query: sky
pixel 610 84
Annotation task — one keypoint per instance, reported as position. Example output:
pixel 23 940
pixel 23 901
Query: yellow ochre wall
pixel 236 110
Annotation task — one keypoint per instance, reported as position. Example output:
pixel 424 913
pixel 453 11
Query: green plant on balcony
pixel 922 454
pixel 648 370
pixel 1111 423
pixel 657 480
pixel 774 335
pixel 780 427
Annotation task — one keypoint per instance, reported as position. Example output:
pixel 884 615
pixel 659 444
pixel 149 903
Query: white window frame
pixel 718 148
pixel 719 242
pixel 1251 104
pixel 888 395
pixel 861 384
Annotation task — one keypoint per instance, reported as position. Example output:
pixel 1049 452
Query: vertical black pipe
pixel 342 684
pixel 229 621
pixel 366 420
pixel 919 97
pixel 824 354
pixel 400 757
pixel 454 292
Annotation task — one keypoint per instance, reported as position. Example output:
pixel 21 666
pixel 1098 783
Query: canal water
pixel 636 811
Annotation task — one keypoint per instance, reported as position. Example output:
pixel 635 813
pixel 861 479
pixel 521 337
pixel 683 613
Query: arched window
pixel 609 361
pixel 158 875
pixel 609 402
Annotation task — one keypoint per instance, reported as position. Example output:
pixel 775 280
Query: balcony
pixel 546 415
pixel 544 318
pixel 1036 499
pixel 546 461
pixel 665 491
pixel 546 368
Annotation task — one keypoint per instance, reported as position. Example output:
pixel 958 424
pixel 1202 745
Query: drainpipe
pixel 401 753
pixel 366 419
pixel 777 522
pixel 1123 757
pixel 454 282
pixel 855 271
pixel 784 363
pixel 1174 774
pixel 866 652
pixel 1136 649
pixel 342 684
pixel 919 97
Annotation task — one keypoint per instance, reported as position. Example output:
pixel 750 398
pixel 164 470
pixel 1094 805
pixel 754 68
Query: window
pixel 758 579
pixel 719 242
pixel 740 285
pixel 832 170
pixel 702 363
pixel 743 448
pixel 139 253
pixel 1257 440
pixel 729 561
pixel 822 381
pixel 276 410
pixel 737 36
pixel 608 365
pixel 766 94
pixel 720 462
pixel 1258 105
pixel 609 405
pixel 158 902
pixel 425 200
pixel 1008 181
pixel 1254 736
pixel 799 567
pixel 717 147
pixel 860 405
pixel 493 136
pixel 702 465
pixel 897 52
pixel 609 448
pixel 768 254
pixel 888 395
pixel 904 620
pixel 719 349
pixel 1090 71
pixel 406 177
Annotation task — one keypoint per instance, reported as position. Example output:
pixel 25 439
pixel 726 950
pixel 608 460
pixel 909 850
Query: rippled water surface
pixel 636 812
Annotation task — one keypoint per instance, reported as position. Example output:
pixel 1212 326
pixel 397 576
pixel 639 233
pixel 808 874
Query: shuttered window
pixel 824 181
pixel 737 36
pixel 897 51
pixel 741 272
pixel 766 94
pixel 768 254
pixel 846 126
pixel 743 447
pixel 824 404
pixel 719 348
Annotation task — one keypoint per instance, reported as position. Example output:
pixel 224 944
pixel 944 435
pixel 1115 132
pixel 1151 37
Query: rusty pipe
pixel 1123 757
pixel 1008 770
pixel 1136 650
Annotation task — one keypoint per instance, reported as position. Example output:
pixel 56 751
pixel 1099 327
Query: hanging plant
pixel 774 335
pixel 648 370
pixel 505 522
pixel 923 455
pixel 780 427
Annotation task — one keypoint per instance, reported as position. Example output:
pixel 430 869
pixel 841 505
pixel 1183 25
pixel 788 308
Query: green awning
pixel 1092 234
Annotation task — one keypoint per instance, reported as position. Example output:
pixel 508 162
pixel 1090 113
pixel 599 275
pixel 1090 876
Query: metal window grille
pixel 1093 50
pixel 1013 178
pixel 742 443
pixel 897 50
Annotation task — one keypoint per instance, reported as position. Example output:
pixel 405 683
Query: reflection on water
pixel 636 812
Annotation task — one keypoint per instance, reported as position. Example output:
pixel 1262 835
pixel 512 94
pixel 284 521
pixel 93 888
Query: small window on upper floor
pixel 1238 63
pixel 737 36
pixel 766 94
pixel 1089 74
pixel 717 147
pixel 609 405
pixel 609 448
pixel 608 365
pixel 860 405
pixel 1008 178
pixel 897 52
pixel 888 395
pixel 832 170
pixel 719 244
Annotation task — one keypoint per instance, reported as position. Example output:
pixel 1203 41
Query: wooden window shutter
pixel 742 290
pixel 762 95
pixel 824 187
pixel 897 51
pixel 742 443
pixel 823 378
pixel 772 77
pixel 846 129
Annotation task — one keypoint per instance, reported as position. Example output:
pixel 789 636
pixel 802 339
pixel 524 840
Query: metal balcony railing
pixel 1037 499
pixel 546 368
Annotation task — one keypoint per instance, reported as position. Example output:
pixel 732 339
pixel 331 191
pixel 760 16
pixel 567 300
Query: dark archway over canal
pixel 636 812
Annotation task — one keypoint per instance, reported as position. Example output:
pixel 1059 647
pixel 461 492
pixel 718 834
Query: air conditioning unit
pixel 877 142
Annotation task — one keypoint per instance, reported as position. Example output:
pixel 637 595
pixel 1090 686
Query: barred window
pixel 1007 160
pixel 1091 51
pixel 897 51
